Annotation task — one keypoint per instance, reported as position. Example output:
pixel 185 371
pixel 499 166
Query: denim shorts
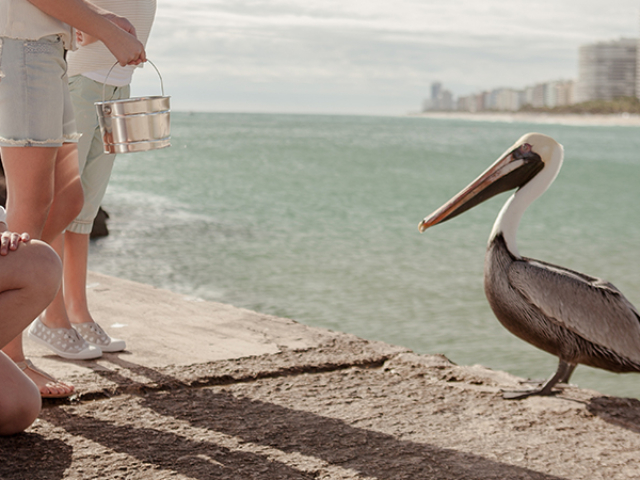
pixel 35 106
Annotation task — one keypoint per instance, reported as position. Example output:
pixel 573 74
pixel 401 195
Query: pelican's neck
pixel 511 213
pixel 508 221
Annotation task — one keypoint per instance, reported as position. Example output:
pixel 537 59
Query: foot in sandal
pixel 49 387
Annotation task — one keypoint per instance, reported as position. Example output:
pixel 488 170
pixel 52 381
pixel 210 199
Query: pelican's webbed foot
pixel 520 394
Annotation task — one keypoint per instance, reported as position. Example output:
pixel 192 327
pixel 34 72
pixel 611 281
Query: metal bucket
pixel 135 124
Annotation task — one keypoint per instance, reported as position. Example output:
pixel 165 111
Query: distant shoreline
pixel 617 120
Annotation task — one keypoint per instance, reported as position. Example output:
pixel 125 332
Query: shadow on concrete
pixel 167 450
pixel 621 412
pixel 153 379
pixel 371 454
pixel 261 425
pixel 31 456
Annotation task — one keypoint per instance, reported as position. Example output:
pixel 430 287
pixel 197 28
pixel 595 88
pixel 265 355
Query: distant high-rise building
pixel 565 92
pixel 607 70
pixel 436 88
pixel 445 100
pixel 550 94
pixel 440 99
pixel 638 70
pixel 538 95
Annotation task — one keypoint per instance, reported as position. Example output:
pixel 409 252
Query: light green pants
pixel 95 165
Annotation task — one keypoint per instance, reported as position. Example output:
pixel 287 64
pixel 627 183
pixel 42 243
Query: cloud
pixel 389 51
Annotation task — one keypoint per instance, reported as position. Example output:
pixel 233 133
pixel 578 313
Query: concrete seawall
pixel 207 390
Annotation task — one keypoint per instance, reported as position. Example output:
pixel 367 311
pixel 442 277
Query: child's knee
pixel 49 266
pixel 22 410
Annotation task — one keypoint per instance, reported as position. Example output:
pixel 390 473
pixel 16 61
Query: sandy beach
pixel 621 120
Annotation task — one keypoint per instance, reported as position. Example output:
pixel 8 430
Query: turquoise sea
pixel 315 218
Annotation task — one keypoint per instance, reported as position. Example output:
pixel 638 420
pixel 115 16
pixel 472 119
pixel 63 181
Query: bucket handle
pixel 104 85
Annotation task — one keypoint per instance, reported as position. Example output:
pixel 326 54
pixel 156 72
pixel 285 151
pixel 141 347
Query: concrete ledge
pixel 164 328
pixel 211 391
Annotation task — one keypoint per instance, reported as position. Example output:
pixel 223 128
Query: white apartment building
pixel 551 94
pixel 507 99
pixel 638 70
pixel 565 92
pixel 607 70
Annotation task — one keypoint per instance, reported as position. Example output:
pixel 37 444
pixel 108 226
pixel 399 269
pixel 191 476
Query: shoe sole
pixel 107 348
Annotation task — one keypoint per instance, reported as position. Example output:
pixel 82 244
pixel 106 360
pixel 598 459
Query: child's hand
pixel 11 241
pixel 123 23
pixel 127 49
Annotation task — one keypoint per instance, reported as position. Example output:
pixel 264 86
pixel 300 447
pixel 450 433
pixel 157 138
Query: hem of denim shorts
pixel 81 228
pixel 74 138
pixel 9 142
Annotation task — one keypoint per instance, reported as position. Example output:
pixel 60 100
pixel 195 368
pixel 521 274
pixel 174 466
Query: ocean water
pixel 315 218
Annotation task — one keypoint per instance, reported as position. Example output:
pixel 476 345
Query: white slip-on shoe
pixel 95 335
pixel 64 342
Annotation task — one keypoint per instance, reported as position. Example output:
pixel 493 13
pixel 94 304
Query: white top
pixel 20 19
pixel 3 215
pixel 95 60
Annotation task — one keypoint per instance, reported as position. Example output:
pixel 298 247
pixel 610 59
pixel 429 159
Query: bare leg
pixel 29 278
pixel 55 315
pixel 65 206
pixel 76 247
pixel 68 197
pixel 562 375
pixel 67 203
pixel 20 400
pixel 42 200
pixel 30 190
pixel 30 194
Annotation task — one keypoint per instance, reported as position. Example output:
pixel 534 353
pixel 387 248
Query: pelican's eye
pixel 522 151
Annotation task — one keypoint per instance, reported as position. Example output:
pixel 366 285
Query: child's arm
pixel 84 39
pixel 114 31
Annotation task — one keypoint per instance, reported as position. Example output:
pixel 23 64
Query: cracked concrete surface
pixel 211 391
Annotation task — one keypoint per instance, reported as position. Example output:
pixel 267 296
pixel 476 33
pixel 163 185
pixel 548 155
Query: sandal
pixel 64 342
pixel 26 366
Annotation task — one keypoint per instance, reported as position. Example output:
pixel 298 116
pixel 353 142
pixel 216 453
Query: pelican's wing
pixel 588 306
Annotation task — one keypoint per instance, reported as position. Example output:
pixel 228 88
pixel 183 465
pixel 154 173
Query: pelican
pixel 578 318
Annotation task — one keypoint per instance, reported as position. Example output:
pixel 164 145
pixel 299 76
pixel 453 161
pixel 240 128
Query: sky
pixel 370 57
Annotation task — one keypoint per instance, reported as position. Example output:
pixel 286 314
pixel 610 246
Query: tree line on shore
pixel 620 105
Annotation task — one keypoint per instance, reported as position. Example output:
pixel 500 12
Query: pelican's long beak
pixel 513 169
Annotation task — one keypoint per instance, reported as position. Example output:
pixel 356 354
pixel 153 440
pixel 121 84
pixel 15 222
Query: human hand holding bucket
pixel 135 124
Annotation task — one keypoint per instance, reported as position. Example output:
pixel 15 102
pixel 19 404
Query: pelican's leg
pixel 562 375
pixel 564 379
pixel 568 372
